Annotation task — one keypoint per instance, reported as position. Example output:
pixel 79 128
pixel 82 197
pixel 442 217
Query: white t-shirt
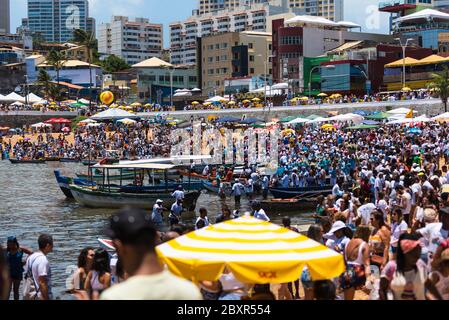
pixel 416 192
pixel 365 212
pixel 431 236
pixel 161 286
pixel 40 268
pixel 407 199
pixel 397 230
pixel 382 205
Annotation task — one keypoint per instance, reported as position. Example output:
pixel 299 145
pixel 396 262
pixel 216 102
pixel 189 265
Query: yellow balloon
pixel 107 97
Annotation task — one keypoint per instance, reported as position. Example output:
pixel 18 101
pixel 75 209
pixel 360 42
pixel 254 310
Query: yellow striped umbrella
pixel 254 251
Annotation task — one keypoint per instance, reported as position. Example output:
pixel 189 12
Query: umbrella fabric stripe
pixel 272 232
pixel 252 250
pixel 256 247
pixel 217 237
pixel 254 227
pixel 168 251
pixel 249 222
pixel 245 235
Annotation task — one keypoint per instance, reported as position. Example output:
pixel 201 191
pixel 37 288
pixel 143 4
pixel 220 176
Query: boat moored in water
pixel 24 161
pixel 288 193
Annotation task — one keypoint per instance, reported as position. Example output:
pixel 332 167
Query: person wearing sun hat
pixel 336 238
pixel 431 234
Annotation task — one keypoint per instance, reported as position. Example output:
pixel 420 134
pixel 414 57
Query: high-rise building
pixel 4 16
pixel 217 16
pixel 134 41
pixel 56 20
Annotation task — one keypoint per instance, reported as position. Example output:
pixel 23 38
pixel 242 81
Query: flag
pixel 409 115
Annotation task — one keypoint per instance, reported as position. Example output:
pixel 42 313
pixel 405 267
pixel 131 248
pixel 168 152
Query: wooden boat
pixel 89 162
pixel 288 193
pixel 65 182
pixel 213 188
pixel 194 175
pixel 53 159
pixel 113 177
pixel 288 205
pixel 115 198
pixel 23 161
pixel 111 196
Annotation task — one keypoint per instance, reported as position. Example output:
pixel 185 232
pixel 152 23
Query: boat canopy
pixel 168 160
pixel 150 166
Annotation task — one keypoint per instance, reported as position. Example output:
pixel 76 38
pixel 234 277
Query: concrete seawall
pixel 429 107
pixel 17 119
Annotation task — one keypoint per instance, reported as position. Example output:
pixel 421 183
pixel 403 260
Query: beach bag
pixel 30 287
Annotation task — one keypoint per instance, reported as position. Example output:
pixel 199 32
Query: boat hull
pixel 210 187
pixel 281 206
pixel 288 193
pixel 65 182
pixel 115 200
pixel 16 161
pixel 68 160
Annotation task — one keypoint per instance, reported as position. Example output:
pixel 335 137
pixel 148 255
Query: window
pixel 250 45
pixel 251 70
pixel 210 59
pixel 217 58
pixel 210 71
pixel 251 58
pixel 224 45
pixel 291 40
pixel 217 46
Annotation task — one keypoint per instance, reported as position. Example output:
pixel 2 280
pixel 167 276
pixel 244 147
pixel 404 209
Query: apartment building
pixel 55 20
pixel 134 41
pixel 309 36
pixel 232 55
pixel 4 16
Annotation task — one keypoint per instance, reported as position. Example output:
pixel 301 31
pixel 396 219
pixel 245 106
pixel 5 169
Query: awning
pixel 432 59
pixel 346 46
pixel 399 63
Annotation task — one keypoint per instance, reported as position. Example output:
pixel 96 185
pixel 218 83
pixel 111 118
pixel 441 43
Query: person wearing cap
pixel 14 254
pixel 135 237
pixel 433 232
pixel 336 238
pixel 175 212
pixel 156 215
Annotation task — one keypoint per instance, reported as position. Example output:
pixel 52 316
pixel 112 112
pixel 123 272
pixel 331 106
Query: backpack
pixel 30 287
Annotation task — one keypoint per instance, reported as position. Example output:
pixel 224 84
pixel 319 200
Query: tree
pixel 87 39
pixel 44 81
pixel 56 59
pixel 441 85
pixel 113 64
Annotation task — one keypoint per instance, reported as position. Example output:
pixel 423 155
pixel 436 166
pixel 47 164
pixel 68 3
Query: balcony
pixel 395 6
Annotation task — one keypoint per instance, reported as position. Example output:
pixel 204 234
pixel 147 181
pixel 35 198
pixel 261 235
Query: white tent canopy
pixel 196 90
pixel 12 97
pixel 32 98
pixel 319 120
pixel 442 116
pixel 426 14
pixel 183 94
pixel 400 111
pixel 217 99
pixel 17 103
pixel 299 120
pixel 348 117
pixel 88 121
pixel 126 120
pixel 113 114
pixel 410 120
pixel 280 86
pixel 41 125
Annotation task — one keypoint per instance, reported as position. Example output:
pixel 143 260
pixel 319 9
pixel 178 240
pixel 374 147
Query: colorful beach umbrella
pixel 254 251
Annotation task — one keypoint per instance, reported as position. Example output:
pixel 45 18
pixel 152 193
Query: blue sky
pixel 158 11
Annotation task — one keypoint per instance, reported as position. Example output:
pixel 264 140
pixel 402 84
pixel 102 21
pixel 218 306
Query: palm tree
pixel 56 59
pixel 87 39
pixel 44 81
pixel 441 85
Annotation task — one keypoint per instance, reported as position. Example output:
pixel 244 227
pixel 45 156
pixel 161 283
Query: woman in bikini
pixel 379 240
pixel 357 258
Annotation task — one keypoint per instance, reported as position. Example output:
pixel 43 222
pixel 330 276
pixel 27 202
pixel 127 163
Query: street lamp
pixel 330 67
pixel 404 47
